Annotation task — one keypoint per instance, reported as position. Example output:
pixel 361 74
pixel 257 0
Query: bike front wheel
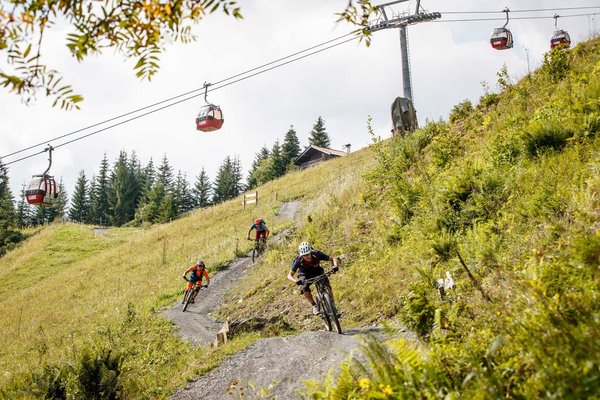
pixel 323 313
pixel 331 310
pixel 186 300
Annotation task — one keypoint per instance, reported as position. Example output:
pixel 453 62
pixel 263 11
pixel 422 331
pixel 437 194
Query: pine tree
pixel 263 154
pixel 121 195
pixel 80 202
pixel 182 198
pixel 202 190
pixel 9 234
pixel 318 135
pixel 237 175
pixel 137 180
pixel 59 209
pixel 150 209
pixel 99 196
pixel 147 178
pixel 227 182
pixel 165 174
pixel 24 211
pixel 290 149
pixel 278 162
pixel 265 171
pixel 91 219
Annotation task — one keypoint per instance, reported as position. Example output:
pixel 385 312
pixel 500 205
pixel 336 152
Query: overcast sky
pixel 344 85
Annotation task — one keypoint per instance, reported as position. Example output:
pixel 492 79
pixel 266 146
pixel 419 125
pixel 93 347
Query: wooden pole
pixel 473 280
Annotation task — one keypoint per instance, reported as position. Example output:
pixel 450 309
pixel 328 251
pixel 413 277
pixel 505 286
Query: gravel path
pixel 280 365
pixel 196 324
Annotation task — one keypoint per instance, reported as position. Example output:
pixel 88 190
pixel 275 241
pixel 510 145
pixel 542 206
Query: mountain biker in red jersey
pixel 198 271
pixel 307 264
pixel 261 229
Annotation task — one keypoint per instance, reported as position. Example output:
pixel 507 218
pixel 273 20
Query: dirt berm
pixel 279 365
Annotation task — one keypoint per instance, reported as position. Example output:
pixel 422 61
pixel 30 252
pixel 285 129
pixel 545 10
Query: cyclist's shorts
pixel 260 234
pixel 311 273
pixel 191 284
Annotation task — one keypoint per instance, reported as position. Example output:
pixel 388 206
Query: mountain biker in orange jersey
pixel 261 229
pixel 198 271
pixel 307 264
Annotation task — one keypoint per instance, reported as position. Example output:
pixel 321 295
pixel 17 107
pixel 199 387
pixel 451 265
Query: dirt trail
pixel 196 324
pixel 279 364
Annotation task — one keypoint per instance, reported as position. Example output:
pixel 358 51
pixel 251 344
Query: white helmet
pixel 304 248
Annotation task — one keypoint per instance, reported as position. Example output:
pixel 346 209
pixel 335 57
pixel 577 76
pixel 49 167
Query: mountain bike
pixel 260 246
pixel 190 295
pixel 324 302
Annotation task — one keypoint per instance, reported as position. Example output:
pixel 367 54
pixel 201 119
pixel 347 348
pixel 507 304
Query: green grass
pixel 66 290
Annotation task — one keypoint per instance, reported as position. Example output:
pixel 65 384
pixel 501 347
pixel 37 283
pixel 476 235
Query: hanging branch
pixel 473 280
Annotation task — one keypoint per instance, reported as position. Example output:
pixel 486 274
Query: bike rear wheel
pixel 331 310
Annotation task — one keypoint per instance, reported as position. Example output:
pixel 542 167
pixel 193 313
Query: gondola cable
pixel 180 101
pixel 174 97
pixel 252 75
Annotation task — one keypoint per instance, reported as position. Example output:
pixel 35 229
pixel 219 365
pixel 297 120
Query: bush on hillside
pixel 461 111
pixel 424 136
pixel 50 383
pixel 418 311
pixel 543 137
pixel 444 148
pixel 488 100
pixel 592 124
pixel 98 375
pixel 557 63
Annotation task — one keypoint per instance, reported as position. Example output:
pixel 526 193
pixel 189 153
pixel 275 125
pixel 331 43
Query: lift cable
pixel 502 19
pixel 178 96
pixel 185 99
pixel 216 87
pixel 519 11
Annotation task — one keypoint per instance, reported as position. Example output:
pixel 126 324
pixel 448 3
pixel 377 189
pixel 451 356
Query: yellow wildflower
pixel 364 383
pixel 387 390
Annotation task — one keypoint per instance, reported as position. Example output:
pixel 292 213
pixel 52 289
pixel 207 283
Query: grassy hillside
pixel 512 185
pixel 66 293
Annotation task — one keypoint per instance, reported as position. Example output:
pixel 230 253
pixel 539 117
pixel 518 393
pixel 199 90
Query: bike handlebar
pixel 318 278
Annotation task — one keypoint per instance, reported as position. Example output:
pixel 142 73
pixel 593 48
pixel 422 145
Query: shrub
pixel 488 100
pixel 557 64
pixel 461 111
pixel 49 384
pixel 418 311
pixel 592 124
pixel 544 137
pixel 98 375
pixel 432 129
pixel 586 249
pixel 444 148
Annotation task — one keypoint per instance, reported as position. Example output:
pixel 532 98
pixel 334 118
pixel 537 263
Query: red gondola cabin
pixel 560 37
pixel 42 191
pixel 210 118
pixel 502 39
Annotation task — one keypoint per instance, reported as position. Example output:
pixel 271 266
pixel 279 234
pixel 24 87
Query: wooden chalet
pixel 313 155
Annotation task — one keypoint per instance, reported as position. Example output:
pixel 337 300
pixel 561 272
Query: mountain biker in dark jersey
pixel 307 264
pixel 198 271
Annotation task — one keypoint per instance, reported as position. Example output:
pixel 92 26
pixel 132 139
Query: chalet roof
pixel 312 149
